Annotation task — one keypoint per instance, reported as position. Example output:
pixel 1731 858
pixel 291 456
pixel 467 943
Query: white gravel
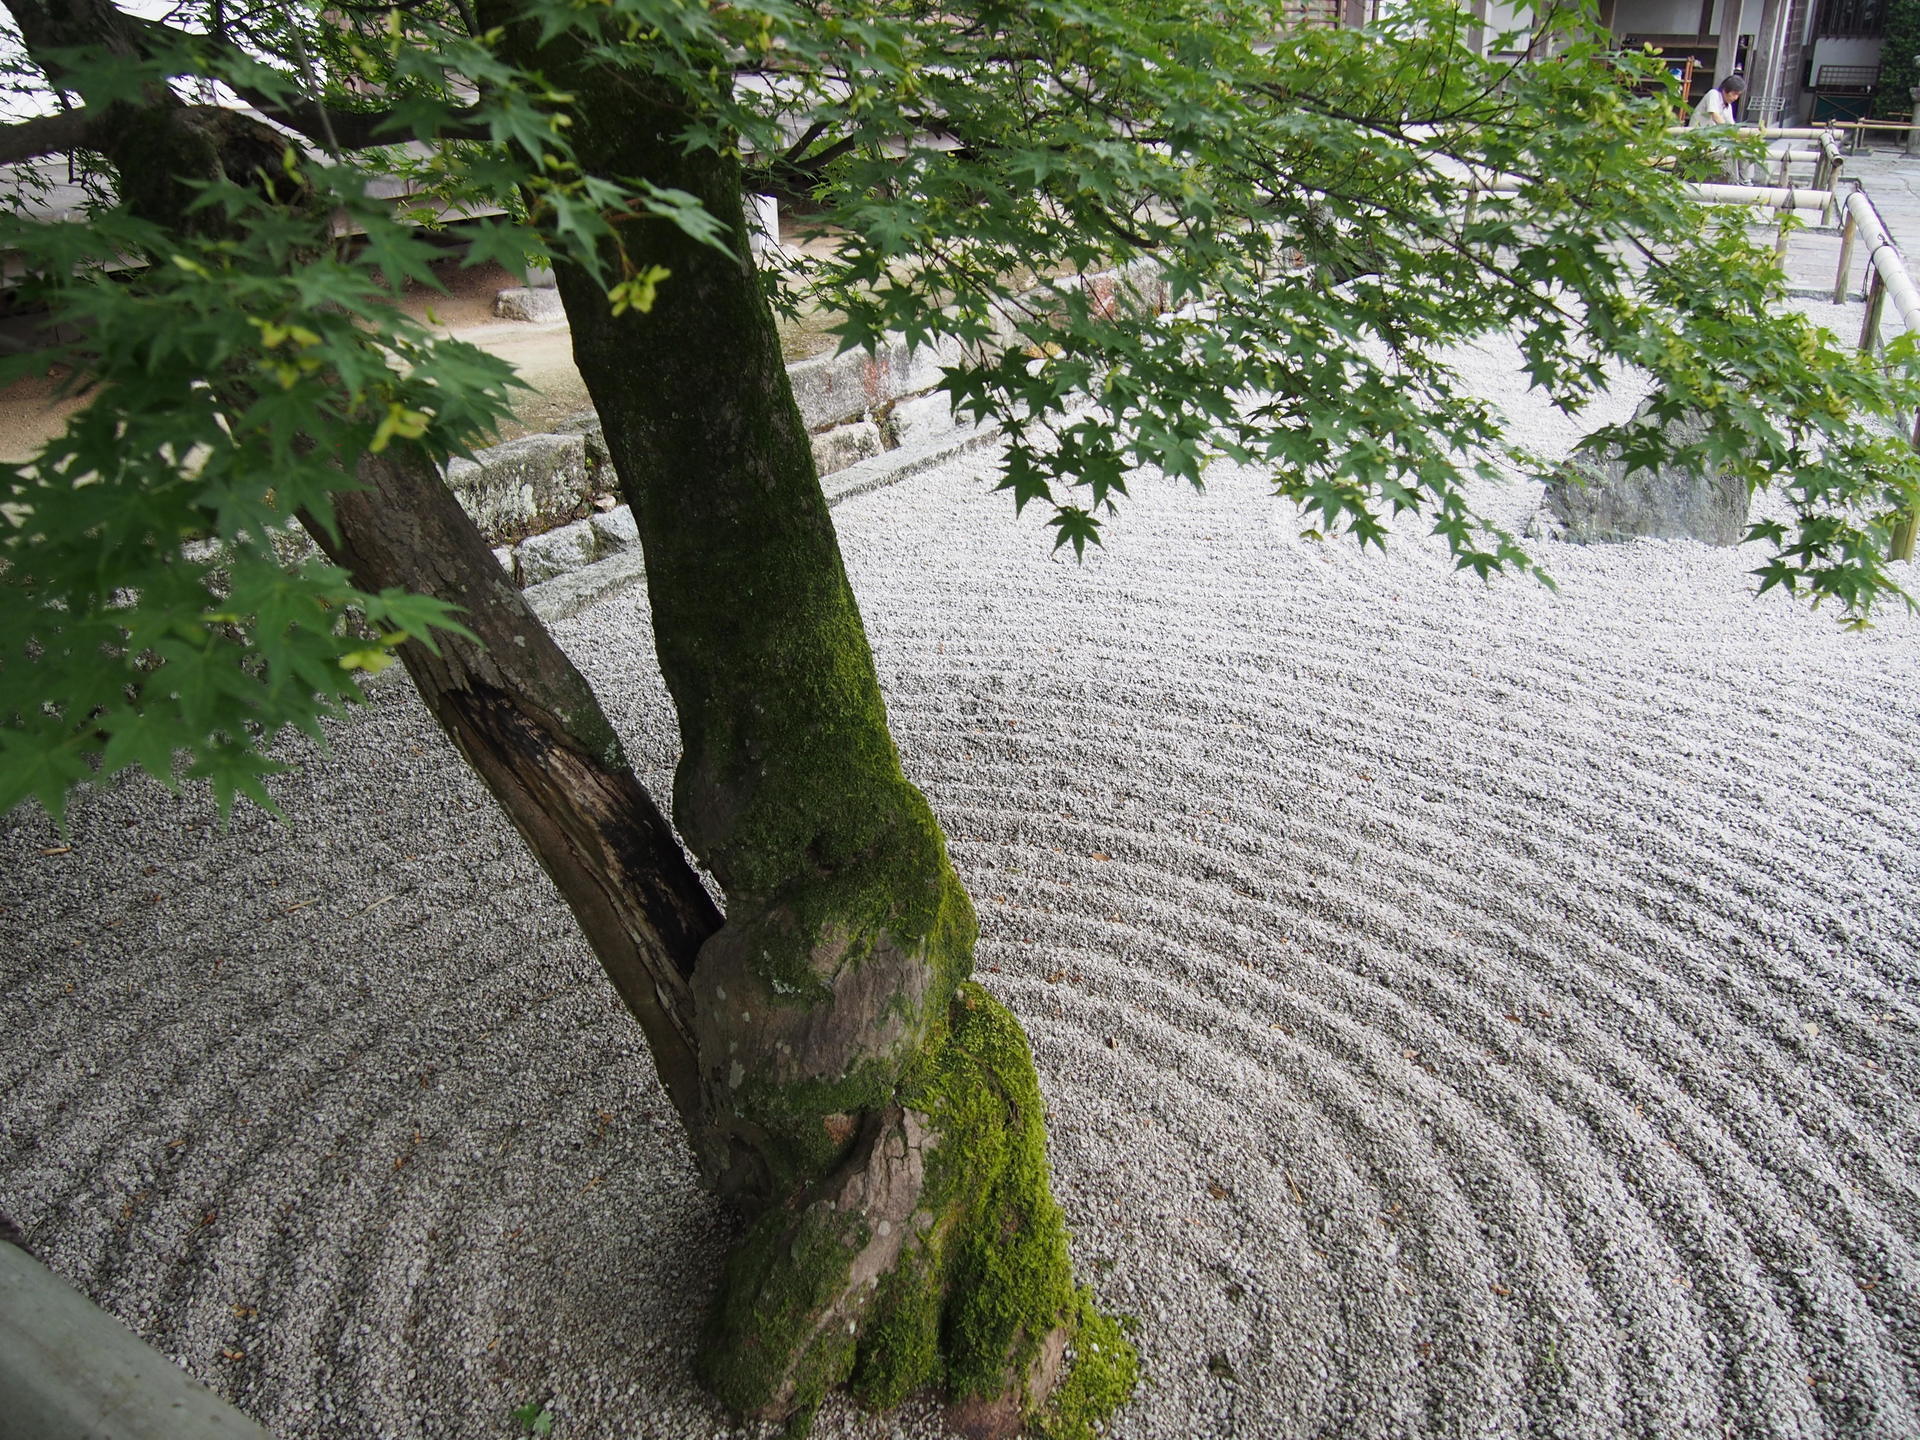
pixel 1466 1010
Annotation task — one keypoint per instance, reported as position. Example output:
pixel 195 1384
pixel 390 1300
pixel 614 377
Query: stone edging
pixel 546 500
pixel 874 419
pixel 68 1368
pixel 575 590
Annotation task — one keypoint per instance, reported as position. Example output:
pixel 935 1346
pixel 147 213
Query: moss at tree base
pixel 1103 1371
pixel 976 1294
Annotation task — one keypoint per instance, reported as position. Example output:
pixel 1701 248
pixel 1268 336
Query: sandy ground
pixel 1465 1010
pixel 34 409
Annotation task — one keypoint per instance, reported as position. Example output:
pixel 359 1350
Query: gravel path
pixel 1466 1011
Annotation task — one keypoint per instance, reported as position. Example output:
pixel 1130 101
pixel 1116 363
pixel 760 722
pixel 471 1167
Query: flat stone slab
pixel 68 1369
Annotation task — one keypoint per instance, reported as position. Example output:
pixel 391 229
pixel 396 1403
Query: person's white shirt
pixel 1714 109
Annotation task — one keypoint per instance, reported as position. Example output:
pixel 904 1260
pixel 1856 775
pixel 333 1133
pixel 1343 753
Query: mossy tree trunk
pixel 873 1116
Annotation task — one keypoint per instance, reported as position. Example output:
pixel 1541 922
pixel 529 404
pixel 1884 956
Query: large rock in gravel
pixel 524 484
pixel 1609 504
pixel 534 305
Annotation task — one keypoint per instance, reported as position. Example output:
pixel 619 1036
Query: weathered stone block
pixel 833 389
pixel 616 530
pixel 541 557
pixel 523 484
pixel 537 306
pixel 846 445
pixel 1609 504
pixel 923 418
pixel 925 363
pixel 587 426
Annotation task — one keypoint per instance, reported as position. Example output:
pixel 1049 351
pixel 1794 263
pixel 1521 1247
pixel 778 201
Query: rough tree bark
pixel 511 701
pixel 530 726
pixel 873 1116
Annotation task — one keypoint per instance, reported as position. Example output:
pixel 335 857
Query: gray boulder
pixel 586 425
pixel 534 306
pixel 615 531
pixel 1610 504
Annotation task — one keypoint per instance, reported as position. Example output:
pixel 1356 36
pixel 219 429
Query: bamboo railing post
pixel 1827 172
pixel 1900 541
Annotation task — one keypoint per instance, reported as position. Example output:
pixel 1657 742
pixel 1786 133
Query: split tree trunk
pixel 873 1115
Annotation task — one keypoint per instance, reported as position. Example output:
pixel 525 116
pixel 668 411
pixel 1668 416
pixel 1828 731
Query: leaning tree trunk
pixel 513 704
pixel 874 1116
pixel 532 729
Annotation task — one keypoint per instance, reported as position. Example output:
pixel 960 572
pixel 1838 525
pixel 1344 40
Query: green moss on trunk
pixel 1009 1281
pixel 875 1118
pixel 764 1335
pixel 979 1297
pixel 1104 1368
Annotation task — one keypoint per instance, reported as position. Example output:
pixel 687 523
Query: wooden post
pixel 1847 232
pixel 1876 302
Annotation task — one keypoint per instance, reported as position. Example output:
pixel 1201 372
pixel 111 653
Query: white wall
pixel 1656 17
pixel 1832 51
pixel 1502 17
